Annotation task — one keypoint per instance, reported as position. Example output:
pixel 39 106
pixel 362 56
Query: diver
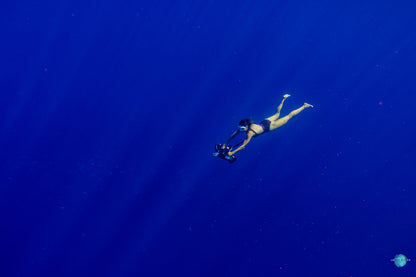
pixel 254 130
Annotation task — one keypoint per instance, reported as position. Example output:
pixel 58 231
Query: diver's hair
pixel 245 122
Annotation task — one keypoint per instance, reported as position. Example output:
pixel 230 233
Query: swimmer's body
pixel 269 124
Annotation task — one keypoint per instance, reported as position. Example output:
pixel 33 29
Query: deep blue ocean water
pixel 109 112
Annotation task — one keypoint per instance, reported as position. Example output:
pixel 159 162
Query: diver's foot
pixel 286 96
pixel 306 105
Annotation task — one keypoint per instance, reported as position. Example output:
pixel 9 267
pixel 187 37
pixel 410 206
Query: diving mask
pixel 242 128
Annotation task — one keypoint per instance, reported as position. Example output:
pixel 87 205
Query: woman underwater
pixel 269 124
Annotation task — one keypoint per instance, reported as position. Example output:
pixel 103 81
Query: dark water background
pixel 109 112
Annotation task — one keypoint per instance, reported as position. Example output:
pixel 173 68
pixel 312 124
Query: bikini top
pixel 255 133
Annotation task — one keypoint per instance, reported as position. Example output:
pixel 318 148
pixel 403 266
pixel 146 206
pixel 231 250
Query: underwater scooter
pixel 222 153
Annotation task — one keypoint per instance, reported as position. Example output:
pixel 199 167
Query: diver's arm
pixel 245 142
pixel 231 137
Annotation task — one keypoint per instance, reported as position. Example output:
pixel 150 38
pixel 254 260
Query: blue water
pixel 109 112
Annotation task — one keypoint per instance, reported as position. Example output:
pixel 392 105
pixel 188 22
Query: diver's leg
pixel 279 108
pixel 282 121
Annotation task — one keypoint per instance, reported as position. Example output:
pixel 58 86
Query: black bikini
pixel 266 125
